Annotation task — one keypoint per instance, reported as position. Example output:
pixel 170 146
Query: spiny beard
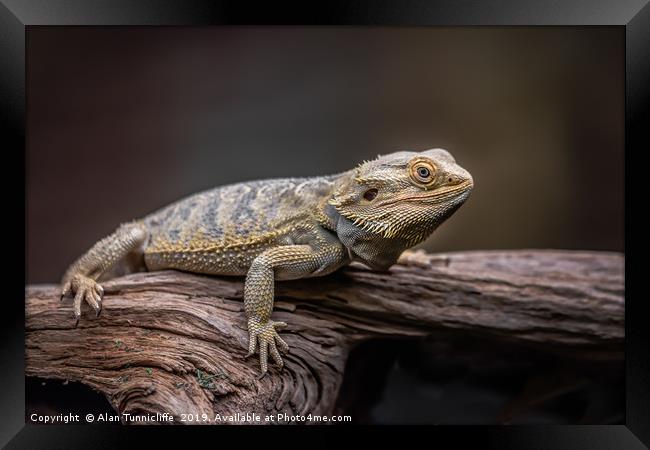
pixel 410 232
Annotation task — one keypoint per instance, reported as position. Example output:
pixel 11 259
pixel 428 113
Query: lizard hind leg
pixel 81 278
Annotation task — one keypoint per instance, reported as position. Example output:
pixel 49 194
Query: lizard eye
pixel 422 171
pixel 370 194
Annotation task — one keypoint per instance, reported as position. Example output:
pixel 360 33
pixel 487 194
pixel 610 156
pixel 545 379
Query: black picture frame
pixel 17 16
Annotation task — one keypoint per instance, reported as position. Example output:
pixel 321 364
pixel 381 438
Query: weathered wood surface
pixel 174 342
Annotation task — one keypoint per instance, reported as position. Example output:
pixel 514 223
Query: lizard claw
pixel 65 291
pixel 265 333
pixel 85 289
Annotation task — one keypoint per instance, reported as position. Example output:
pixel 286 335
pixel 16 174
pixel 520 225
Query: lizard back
pixel 221 230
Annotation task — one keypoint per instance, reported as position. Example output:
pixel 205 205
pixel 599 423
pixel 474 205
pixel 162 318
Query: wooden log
pixel 172 342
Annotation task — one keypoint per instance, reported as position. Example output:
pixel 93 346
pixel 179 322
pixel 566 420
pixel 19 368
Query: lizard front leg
pixel 81 278
pixel 287 262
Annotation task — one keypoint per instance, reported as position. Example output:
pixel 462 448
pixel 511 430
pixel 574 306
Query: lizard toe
pixel 265 334
pixel 85 290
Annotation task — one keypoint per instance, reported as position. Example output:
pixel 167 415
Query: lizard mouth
pixel 456 192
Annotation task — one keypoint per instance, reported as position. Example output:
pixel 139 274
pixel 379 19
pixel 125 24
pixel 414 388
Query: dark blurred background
pixel 122 121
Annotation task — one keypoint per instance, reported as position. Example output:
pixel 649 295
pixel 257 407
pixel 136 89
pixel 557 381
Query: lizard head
pixel 396 201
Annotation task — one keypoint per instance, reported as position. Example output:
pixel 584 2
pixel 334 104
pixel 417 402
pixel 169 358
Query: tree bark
pixel 172 342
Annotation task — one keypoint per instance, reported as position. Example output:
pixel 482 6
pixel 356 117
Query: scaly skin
pixel 282 229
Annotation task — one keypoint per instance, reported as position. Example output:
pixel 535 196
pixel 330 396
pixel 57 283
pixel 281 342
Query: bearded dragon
pixel 282 229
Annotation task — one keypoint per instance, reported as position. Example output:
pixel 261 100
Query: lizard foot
pixel 269 340
pixel 83 288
